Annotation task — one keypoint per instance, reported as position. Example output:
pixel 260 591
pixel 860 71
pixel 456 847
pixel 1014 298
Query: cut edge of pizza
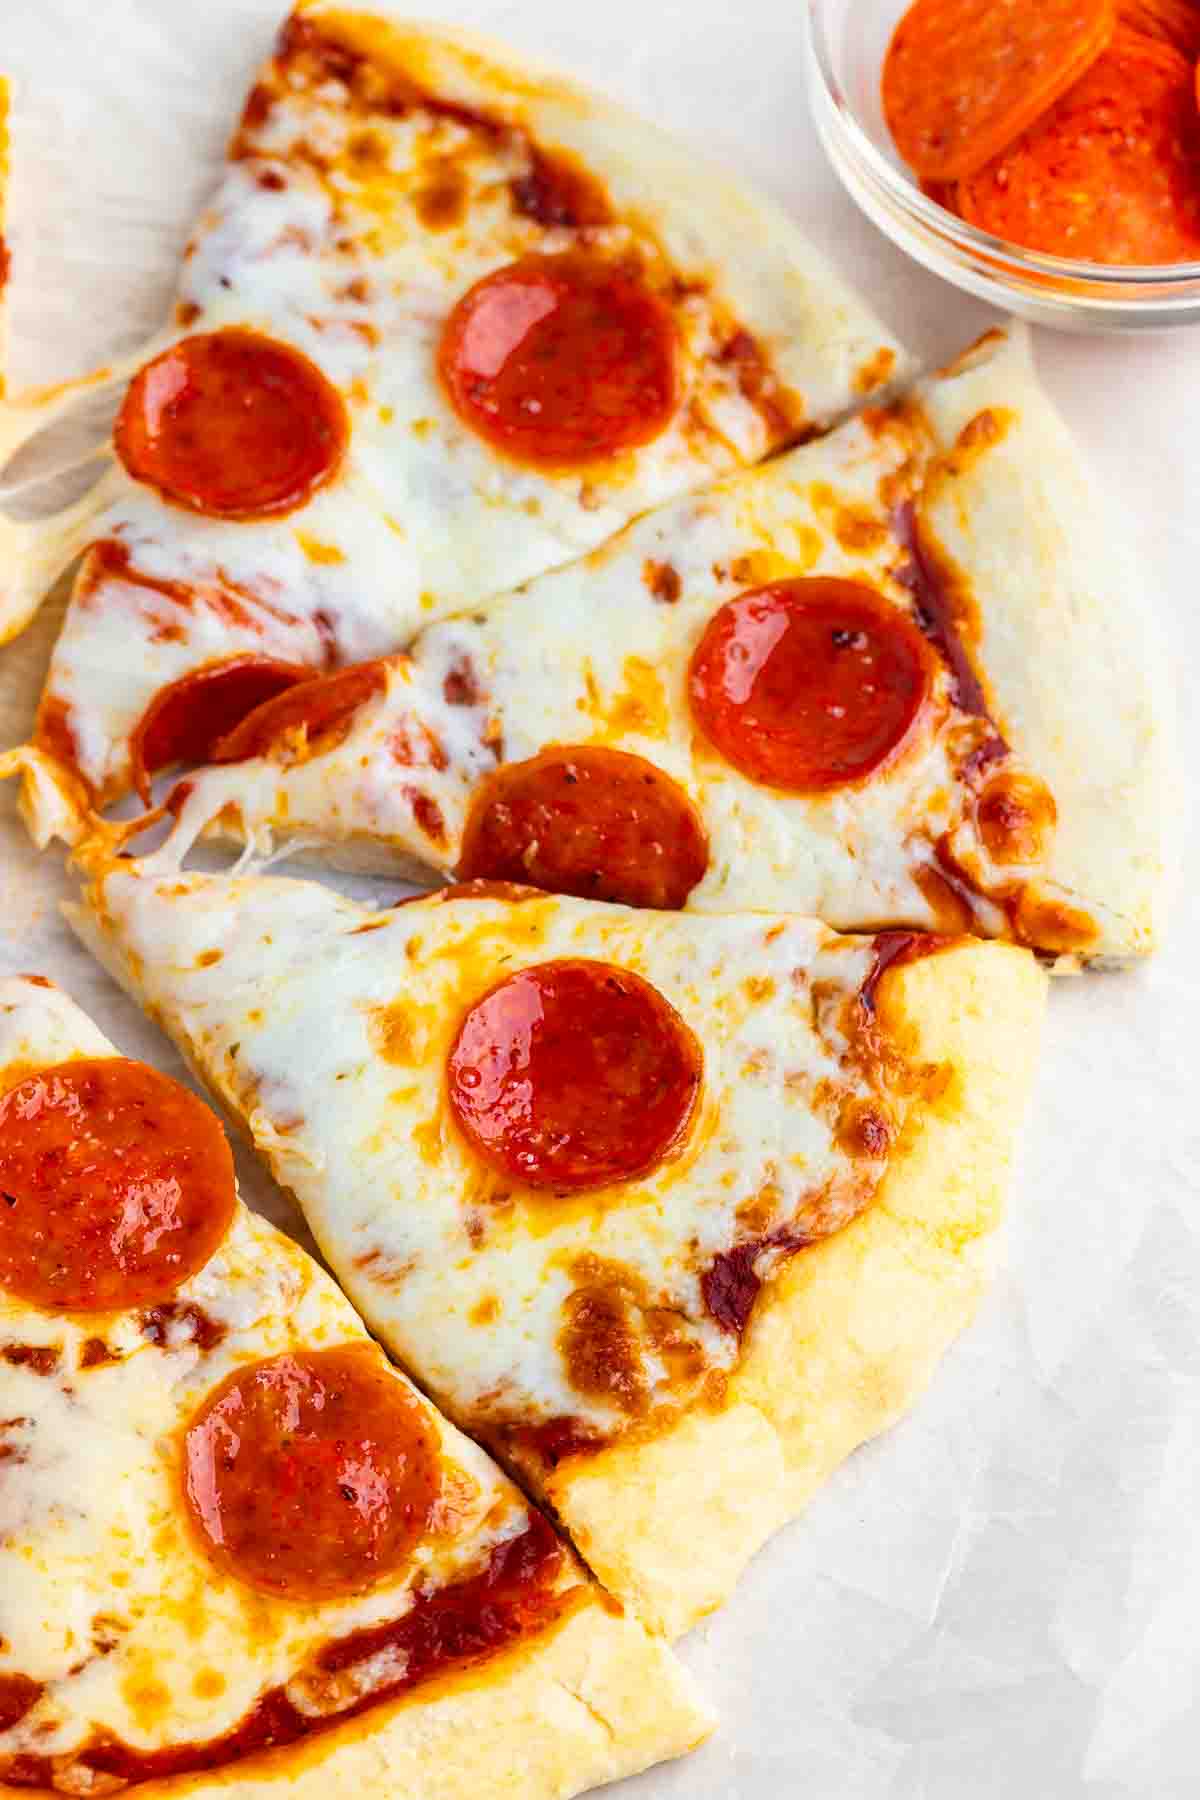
pixel 228 1523
pixel 1015 776
pixel 802 1269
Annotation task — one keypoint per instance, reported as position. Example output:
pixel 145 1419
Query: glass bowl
pixel 846 44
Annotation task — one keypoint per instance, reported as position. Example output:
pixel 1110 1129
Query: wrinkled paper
pixel 1001 1600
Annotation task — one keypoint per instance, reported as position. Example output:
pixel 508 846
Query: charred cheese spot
pixel 1015 814
pixel 663 581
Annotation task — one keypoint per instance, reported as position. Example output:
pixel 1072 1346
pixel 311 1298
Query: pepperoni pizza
pixel 448 322
pixel 900 675
pixel 234 1542
pixel 670 1210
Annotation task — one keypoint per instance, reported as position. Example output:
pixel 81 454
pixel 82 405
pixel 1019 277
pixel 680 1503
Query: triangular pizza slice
pixel 448 322
pixel 670 1210
pixel 238 1550
pixel 902 676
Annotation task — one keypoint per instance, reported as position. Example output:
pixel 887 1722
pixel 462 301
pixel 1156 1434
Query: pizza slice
pixel 238 1550
pixel 670 1210
pixel 448 322
pixel 901 676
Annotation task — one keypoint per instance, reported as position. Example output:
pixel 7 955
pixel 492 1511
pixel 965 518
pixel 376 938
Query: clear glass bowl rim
pixel 1164 282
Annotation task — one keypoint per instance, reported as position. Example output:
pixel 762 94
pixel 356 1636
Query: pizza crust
pixel 819 337
pixel 594 1699
pixel 1072 653
pixel 847 1336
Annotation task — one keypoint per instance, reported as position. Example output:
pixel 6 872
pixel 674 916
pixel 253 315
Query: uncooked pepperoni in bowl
pixel 1042 154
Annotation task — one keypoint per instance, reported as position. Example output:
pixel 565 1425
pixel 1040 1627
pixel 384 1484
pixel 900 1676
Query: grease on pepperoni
pixel 305 721
pixel 574 1074
pixel 232 424
pixel 116 1185
pixel 311 1474
pixel 589 821
pixel 185 720
pixel 809 684
pixel 561 360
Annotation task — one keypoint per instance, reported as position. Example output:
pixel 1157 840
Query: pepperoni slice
pixel 589 821
pixel 561 360
pixel 810 684
pixel 1112 174
pixel 233 424
pixel 185 720
pixel 961 81
pixel 116 1185
pixel 573 1075
pixel 311 1474
pixel 319 715
pixel 1174 22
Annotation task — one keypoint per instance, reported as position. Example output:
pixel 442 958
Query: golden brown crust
pixel 592 1700
pixel 843 1341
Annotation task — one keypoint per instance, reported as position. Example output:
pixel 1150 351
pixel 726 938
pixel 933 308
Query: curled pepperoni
pixel 810 684
pixel 185 720
pixel 233 424
pixel 588 821
pixel 116 1185
pixel 573 1075
pixel 319 714
pixel 311 1474
pixel 560 360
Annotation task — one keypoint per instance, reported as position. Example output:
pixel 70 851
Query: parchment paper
pixel 1001 1600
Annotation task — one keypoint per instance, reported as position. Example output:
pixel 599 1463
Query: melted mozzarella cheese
pixel 543 671
pixel 105 1596
pixel 319 235
pixel 463 1273
pixel 599 653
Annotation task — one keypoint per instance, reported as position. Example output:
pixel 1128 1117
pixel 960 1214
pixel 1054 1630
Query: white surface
pixel 1000 1601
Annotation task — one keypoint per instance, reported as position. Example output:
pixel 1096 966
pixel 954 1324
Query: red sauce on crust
pixel 116 1185
pixel 447 1628
pixel 572 1075
pixel 561 361
pixel 558 192
pixel 584 820
pixel 232 424
pixel 809 684
pixel 936 613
